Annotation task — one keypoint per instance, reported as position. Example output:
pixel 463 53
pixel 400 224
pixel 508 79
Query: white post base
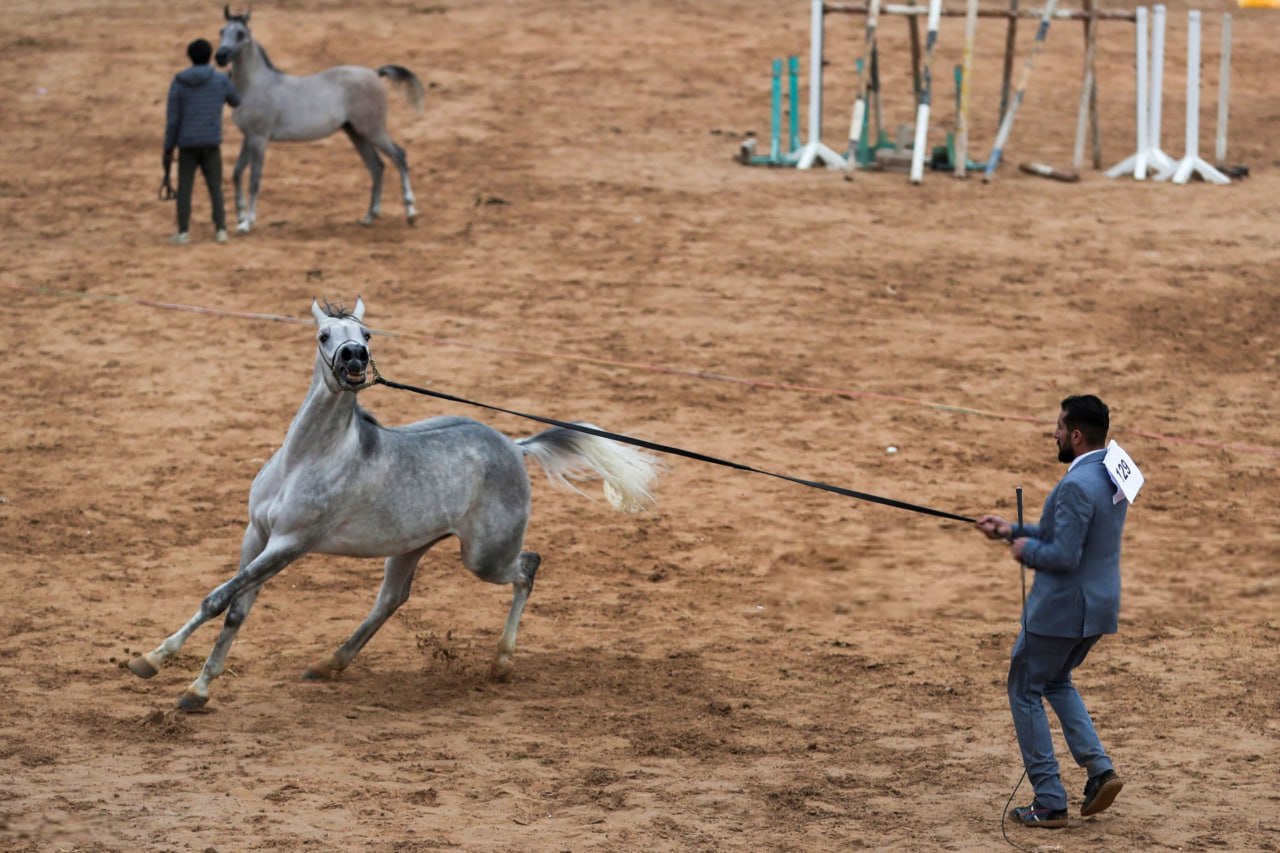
pixel 1182 171
pixel 1151 160
pixel 812 152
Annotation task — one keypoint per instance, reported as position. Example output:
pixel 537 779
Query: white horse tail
pixel 401 76
pixel 567 455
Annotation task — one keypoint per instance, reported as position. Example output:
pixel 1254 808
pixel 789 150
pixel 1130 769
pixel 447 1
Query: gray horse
pixel 278 106
pixel 343 484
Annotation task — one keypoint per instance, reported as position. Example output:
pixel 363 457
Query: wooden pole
pixel 1095 127
pixel 1006 125
pixel 922 11
pixel 1010 44
pixel 913 26
pixel 1088 90
pixel 864 73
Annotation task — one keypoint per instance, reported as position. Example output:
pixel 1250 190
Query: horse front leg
pixel 267 564
pixel 397 580
pixel 242 161
pixel 256 146
pixel 373 163
pixel 197 695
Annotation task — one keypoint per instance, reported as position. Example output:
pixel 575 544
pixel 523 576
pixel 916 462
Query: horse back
pixel 302 109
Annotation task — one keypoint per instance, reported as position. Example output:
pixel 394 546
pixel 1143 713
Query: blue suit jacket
pixel 1075 550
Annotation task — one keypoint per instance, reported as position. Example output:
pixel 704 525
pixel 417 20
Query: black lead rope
pixel 676 451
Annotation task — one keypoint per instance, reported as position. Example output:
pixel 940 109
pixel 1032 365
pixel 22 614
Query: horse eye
pixel 367 335
pixel 240 36
pixel 324 337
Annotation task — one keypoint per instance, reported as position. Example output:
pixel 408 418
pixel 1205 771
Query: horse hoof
pixel 192 701
pixel 366 220
pixel 502 669
pixel 243 227
pixel 142 667
pixel 411 216
pixel 324 671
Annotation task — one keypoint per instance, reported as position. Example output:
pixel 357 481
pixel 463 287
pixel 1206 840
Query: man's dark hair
pixel 1089 415
pixel 199 51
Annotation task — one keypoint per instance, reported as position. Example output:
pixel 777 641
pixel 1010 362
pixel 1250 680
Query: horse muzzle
pixel 351 365
pixel 222 57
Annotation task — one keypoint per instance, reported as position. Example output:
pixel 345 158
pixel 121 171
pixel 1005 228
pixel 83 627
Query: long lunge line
pixel 677 451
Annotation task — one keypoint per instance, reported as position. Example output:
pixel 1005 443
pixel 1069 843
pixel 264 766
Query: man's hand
pixel 167 161
pixel 994 527
pixel 1019 545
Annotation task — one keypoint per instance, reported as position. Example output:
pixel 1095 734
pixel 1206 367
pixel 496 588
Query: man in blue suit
pixel 1075 552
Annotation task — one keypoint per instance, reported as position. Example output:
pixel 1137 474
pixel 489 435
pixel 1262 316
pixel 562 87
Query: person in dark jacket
pixel 194 126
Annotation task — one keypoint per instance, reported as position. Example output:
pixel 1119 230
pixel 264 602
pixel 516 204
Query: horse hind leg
pixel 373 163
pixel 526 567
pixel 397 580
pixel 387 146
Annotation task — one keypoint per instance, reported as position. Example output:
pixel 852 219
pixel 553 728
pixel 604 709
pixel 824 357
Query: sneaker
pixel 221 236
pixel 1100 792
pixel 180 239
pixel 1036 815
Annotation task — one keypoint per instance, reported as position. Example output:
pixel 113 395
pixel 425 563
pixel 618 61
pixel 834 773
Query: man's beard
pixel 1065 453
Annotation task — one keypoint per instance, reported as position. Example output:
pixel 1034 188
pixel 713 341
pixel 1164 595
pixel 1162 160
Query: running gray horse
pixel 278 106
pixel 341 483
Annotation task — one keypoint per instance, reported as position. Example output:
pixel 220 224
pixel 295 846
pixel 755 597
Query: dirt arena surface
pixel 750 666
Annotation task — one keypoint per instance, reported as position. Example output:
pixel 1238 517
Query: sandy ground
pixel 750 666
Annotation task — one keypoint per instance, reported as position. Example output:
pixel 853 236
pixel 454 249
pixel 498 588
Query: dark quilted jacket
pixel 194 113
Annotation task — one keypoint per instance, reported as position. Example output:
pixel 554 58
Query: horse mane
pixel 338 311
pixel 266 59
pixel 244 19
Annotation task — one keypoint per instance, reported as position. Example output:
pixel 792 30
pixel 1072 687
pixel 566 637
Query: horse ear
pixel 247 13
pixel 317 311
pixel 226 13
pixel 358 312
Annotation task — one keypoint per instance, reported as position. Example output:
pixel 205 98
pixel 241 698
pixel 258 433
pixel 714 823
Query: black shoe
pixel 1100 792
pixel 1036 815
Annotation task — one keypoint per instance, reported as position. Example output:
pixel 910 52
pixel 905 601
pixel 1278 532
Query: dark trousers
pixel 208 158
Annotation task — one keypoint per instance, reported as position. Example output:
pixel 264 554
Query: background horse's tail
pixel 402 76
pixel 565 455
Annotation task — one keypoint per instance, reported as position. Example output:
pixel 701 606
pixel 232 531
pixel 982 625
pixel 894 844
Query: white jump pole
pixel 1136 164
pixel 1224 93
pixel 814 150
pixel 921 143
pixel 1191 163
pixel 1156 158
pixel 966 72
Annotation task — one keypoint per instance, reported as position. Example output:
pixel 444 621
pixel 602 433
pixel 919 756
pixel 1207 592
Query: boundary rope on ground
pixel 652 368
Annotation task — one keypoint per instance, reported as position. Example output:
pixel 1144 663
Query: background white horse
pixel 278 106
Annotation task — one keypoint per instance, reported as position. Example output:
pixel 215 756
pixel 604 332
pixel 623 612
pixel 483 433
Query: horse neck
pixel 323 421
pixel 250 67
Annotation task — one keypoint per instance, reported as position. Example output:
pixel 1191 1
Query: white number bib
pixel 1124 473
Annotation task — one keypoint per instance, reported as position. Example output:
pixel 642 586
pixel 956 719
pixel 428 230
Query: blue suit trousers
pixel 1040 668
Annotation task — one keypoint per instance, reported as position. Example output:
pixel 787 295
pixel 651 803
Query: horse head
pixel 235 36
pixel 343 342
